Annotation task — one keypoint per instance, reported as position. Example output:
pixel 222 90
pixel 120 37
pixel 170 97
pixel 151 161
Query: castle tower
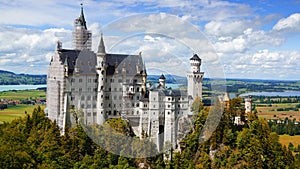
pixel 82 38
pixel 162 81
pixel 195 78
pixel 101 72
pixel 248 105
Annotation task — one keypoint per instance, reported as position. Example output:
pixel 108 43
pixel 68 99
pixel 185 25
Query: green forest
pixel 35 142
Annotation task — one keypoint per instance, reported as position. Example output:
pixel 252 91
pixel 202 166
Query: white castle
pixel 104 85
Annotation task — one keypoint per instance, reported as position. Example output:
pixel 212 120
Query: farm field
pixel 278 110
pixel 286 139
pixel 14 112
pixel 22 94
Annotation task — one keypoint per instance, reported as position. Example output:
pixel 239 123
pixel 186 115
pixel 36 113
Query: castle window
pixel 115 89
pixel 132 112
pixel 108 105
pixel 137 97
pixel 80 89
pixel 115 97
pixel 120 97
pixel 132 105
pixel 169 98
pixel 94 106
pixel 109 112
pixel 89 80
pixel 88 106
pixel 168 113
pixel 94 113
pixel 137 112
pixel 94 97
pixel 72 98
pixel 101 87
pixel 153 113
pixel 134 80
pixel 137 105
pixel 73 89
pixel 89 114
pixel 120 80
pixel 80 80
pixel 154 98
pixel 82 105
pixel 82 97
pixel 88 98
pixel 109 89
pixel 178 105
pixel 120 89
pixel 137 89
pixel 115 112
pixel 169 106
pixel 96 80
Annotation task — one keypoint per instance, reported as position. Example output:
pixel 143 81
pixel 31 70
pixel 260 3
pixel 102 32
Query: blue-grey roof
pixel 162 76
pixel 85 61
pixel 72 57
pixel 195 57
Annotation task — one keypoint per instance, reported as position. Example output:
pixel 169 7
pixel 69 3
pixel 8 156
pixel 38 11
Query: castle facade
pixel 103 85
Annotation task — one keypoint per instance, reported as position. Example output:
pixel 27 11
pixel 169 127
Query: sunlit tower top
pixel 195 62
pixel 82 37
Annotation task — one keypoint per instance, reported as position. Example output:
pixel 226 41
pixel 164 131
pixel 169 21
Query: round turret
pixel 162 80
pixel 195 62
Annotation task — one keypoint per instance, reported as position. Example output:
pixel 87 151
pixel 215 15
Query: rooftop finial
pixel 81 18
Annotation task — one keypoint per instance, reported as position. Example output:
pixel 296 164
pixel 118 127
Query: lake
pixel 20 87
pixel 272 94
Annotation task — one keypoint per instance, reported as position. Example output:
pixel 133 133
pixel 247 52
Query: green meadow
pixel 17 111
pixel 14 112
pixel 22 94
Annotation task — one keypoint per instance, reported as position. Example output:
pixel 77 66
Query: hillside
pixel 10 78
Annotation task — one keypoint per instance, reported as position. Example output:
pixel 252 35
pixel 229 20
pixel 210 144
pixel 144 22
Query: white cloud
pixel 263 64
pixel 234 29
pixel 20 48
pixel 290 24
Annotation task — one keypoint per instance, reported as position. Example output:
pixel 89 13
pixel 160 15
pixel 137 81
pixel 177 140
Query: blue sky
pixel 248 39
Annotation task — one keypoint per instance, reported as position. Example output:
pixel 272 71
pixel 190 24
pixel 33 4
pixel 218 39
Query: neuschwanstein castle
pixel 106 85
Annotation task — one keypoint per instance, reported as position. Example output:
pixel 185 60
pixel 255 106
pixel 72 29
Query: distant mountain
pixel 173 79
pixel 10 78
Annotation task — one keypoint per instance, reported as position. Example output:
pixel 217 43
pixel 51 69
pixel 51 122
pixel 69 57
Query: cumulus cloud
pixel 235 33
pixel 263 64
pixel 289 24
pixel 28 48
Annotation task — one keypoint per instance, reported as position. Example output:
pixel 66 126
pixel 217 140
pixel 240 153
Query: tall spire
pixel 101 47
pixel 81 18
